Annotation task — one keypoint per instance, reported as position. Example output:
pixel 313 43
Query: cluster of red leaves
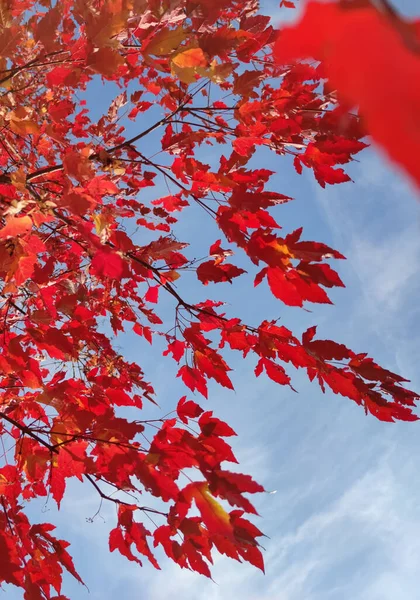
pixel 71 187
pixel 372 41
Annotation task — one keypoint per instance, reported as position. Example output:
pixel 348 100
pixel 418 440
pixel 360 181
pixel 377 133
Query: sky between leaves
pixel 345 519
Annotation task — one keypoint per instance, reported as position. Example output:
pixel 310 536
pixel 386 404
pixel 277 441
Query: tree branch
pixel 121 502
pixel 28 431
pixel 124 144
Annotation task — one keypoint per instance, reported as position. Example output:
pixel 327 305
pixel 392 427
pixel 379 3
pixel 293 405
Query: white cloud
pixel 387 270
pixel 376 224
pixel 365 544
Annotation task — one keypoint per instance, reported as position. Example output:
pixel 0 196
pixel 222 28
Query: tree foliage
pixel 200 74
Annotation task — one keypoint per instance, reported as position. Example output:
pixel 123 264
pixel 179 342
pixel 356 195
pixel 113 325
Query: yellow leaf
pixel 281 248
pixel 166 41
pixel 189 65
pixel 3 484
pixel 59 436
pixel 187 76
pixel 284 251
pixel 18 179
pixel 116 168
pixel 102 222
pixel 152 458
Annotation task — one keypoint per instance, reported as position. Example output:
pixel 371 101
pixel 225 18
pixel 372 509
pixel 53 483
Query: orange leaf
pixel 15 226
pixel 194 57
pixel 214 516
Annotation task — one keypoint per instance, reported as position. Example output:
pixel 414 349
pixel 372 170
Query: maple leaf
pixel 245 146
pixel 15 226
pixel 213 514
pixel 165 41
pixel 69 464
pixel 108 264
pixel 194 57
pixel 118 542
pixel 213 366
pixel 9 565
pixel 210 425
pixel 119 397
pixel 189 64
pixel 274 371
pixel 177 349
pixel 210 271
pixel 187 409
pixel 105 61
pixel 171 203
pixel 326 174
pixel 152 294
pixel 282 288
pixel 193 379
pixel 77 202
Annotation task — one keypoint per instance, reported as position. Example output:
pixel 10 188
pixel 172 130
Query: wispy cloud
pixel 388 269
pixel 364 544
pixel 376 224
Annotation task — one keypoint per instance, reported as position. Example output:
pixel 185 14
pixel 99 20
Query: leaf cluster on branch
pixel 192 74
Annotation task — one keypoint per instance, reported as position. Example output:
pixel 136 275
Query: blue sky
pixel 345 519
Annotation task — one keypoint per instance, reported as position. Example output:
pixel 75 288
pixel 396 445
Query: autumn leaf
pixel 176 348
pixel 194 57
pixel 210 425
pixel 282 288
pixel 46 27
pixel 15 226
pixel 105 61
pixel 193 379
pixel 152 294
pixel 210 271
pixel 166 41
pixel 213 514
pixel 274 371
pixel 189 63
pixel 108 264
pixel 187 409
pixel 22 123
